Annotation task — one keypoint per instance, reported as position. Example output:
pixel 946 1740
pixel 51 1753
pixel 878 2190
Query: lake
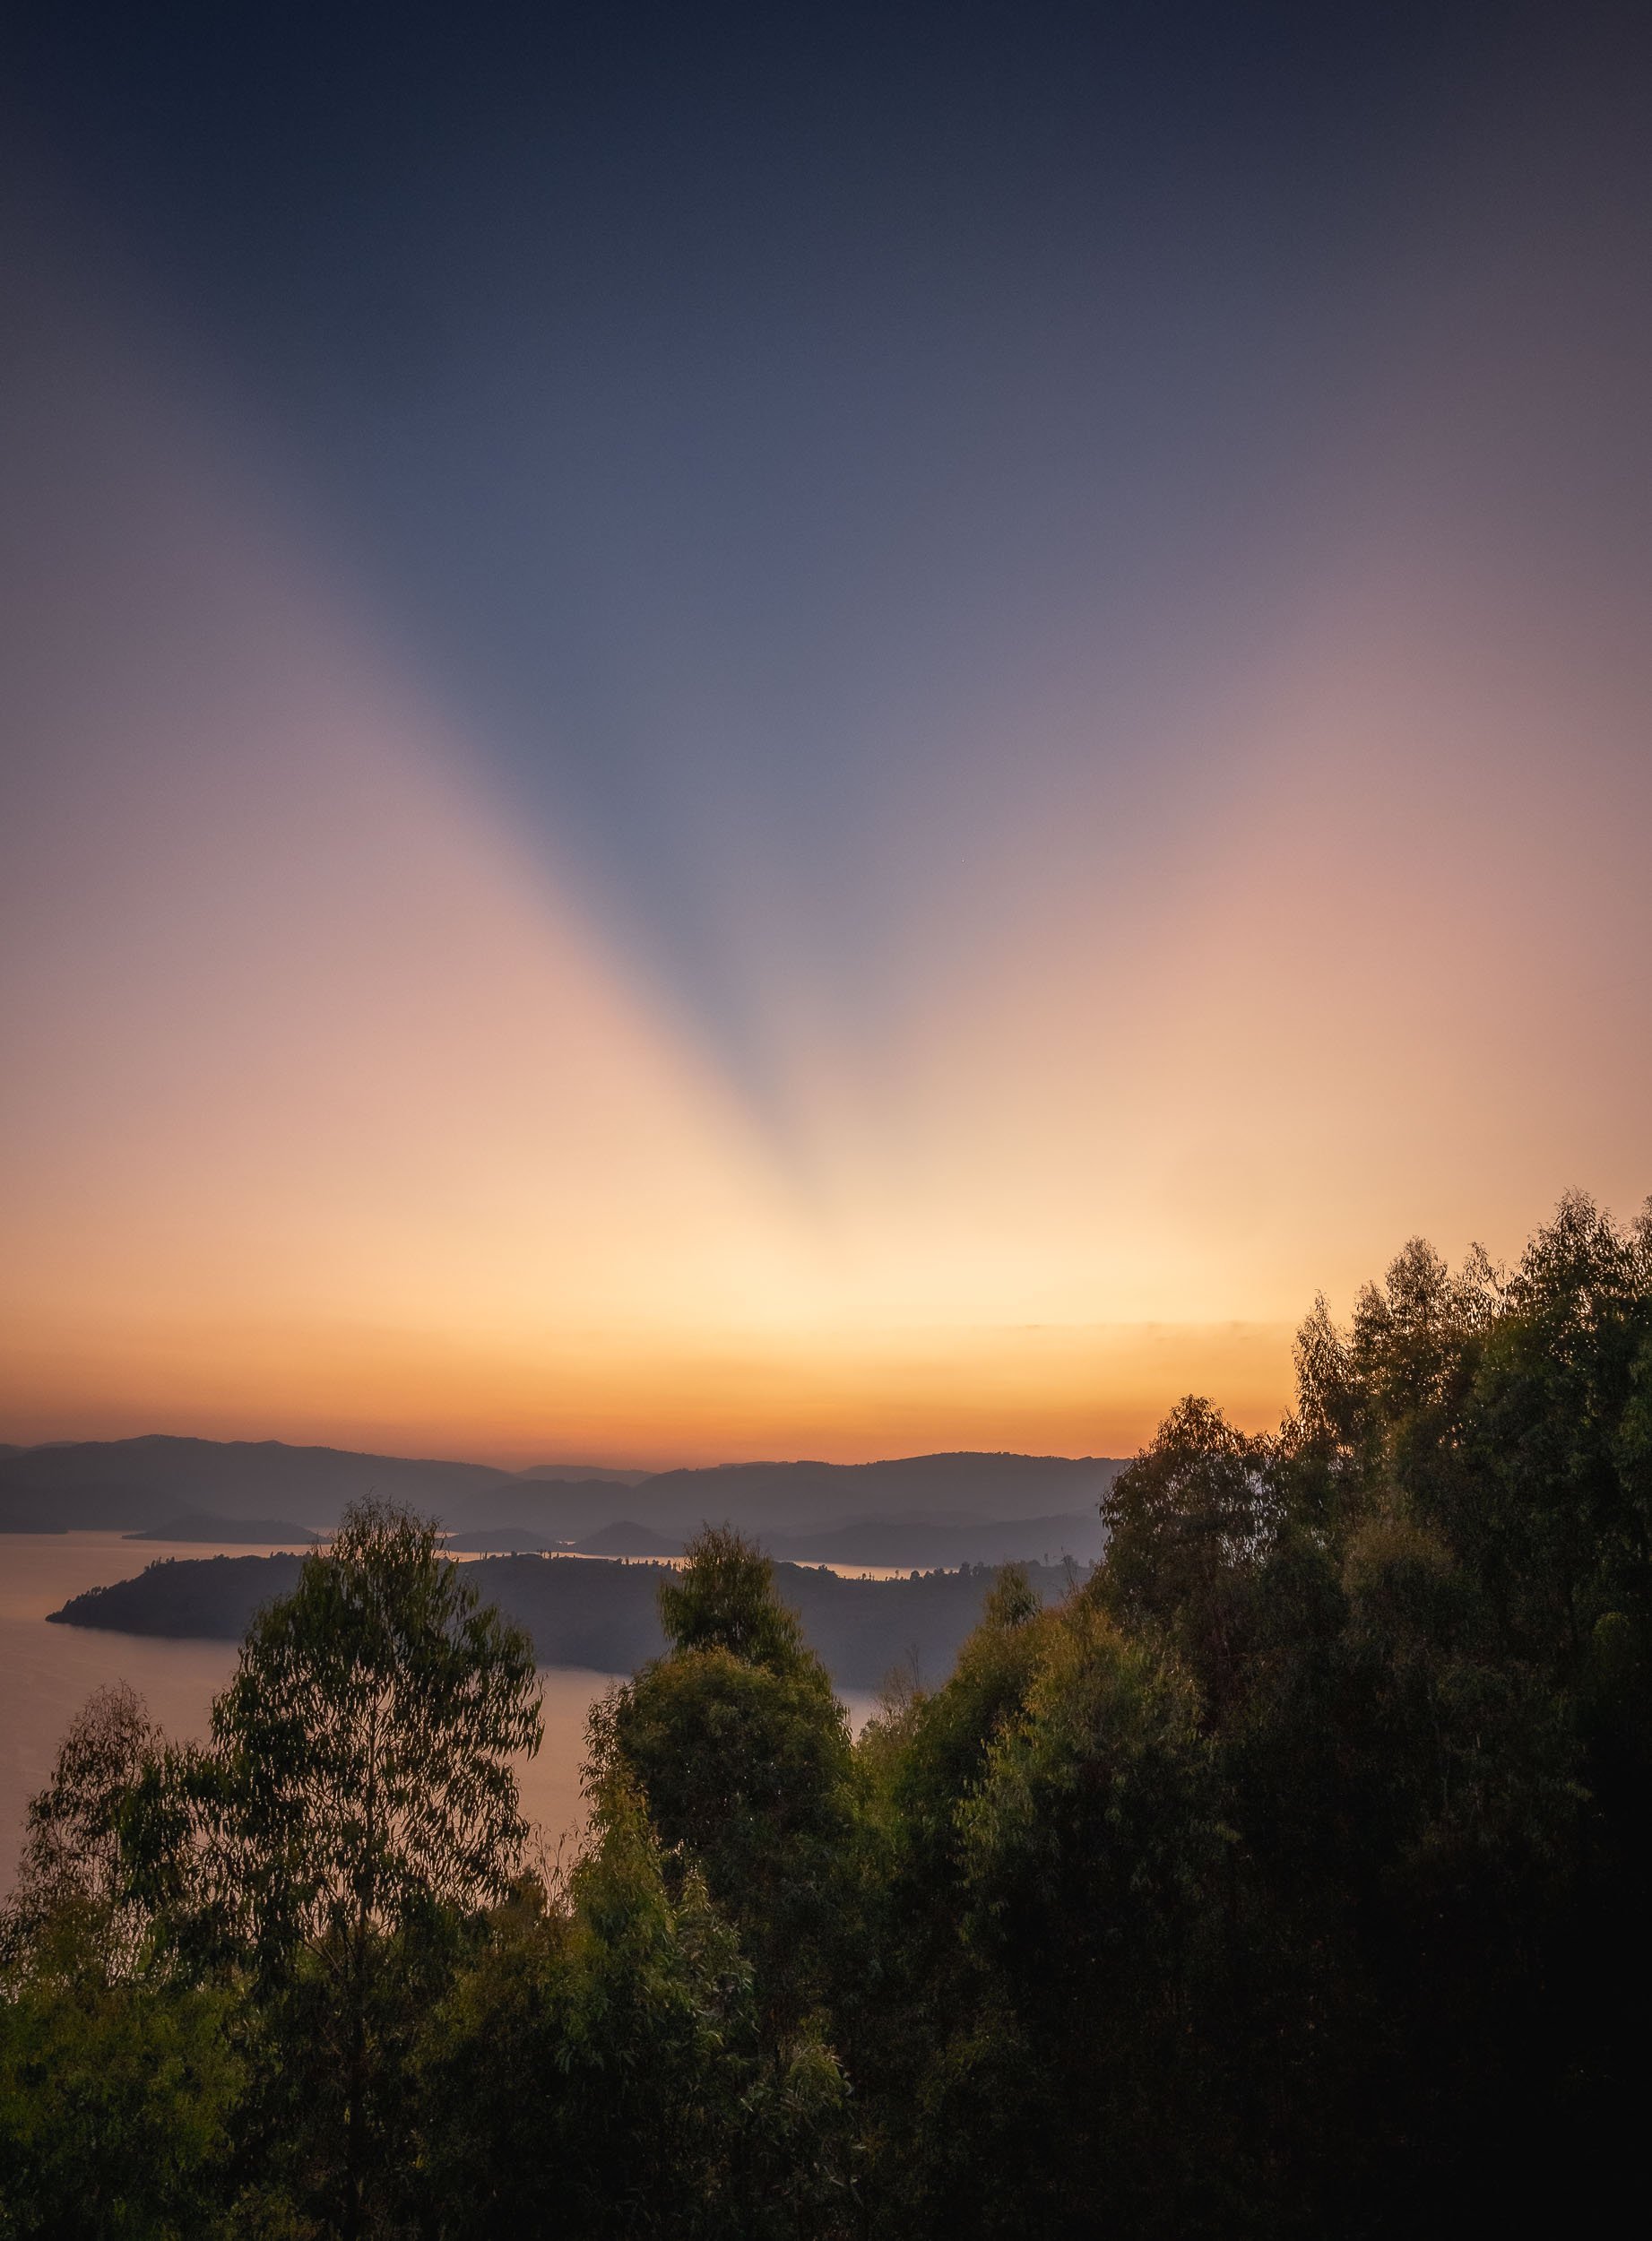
pixel 47 1673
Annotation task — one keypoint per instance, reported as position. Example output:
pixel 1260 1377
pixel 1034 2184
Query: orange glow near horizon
pixel 333 1114
pixel 652 1403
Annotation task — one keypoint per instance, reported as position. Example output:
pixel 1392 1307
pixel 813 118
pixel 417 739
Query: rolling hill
pixel 925 1509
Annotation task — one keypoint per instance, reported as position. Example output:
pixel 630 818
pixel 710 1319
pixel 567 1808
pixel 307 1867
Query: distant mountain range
pixel 918 1510
pixel 137 1484
pixel 593 1472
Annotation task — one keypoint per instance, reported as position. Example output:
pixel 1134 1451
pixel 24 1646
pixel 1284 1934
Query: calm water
pixel 47 1673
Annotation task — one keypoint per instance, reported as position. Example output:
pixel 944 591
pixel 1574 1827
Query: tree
pixel 357 1806
pixel 1093 1847
pixel 118 2101
pixel 73 1864
pixel 1191 1524
pixel 741 1754
pixel 119 2082
pixel 640 2100
pixel 935 2055
pixel 1289 1877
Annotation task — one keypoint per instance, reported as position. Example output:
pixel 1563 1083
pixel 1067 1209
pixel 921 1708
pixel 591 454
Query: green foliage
pixel 117 2103
pixel 71 1876
pixel 929 1752
pixel 1191 1524
pixel 120 2083
pixel 725 1599
pixel 642 2101
pixel 1091 1854
pixel 740 1752
pixel 1091 1831
pixel 325 1856
pixel 919 1990
pixel 1290 1878
pixel 358 1802
pixel 362 1755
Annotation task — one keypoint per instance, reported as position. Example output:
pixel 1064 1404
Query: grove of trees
pixel 1291 1877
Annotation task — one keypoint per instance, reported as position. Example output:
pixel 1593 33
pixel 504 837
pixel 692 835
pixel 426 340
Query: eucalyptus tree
pixel 642 2104
pixel 72 1878
pixel 357 1808
pixel 119 2078
pixel 741 1754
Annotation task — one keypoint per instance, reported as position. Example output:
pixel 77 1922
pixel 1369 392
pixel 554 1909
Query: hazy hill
pixel 950 1490
pixel 273 1532
pixel 508 1540
pixel 906 1542
pixel 554 1510
pixel 133 1484
pixel 588 1612
pixel 138 1484
pixel 927 1510
pixel 624 1539
pixel 587 1472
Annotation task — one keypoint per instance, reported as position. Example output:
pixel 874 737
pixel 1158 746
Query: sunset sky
pixel 778 732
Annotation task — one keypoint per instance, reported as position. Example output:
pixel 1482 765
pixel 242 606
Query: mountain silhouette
pixel 922 1509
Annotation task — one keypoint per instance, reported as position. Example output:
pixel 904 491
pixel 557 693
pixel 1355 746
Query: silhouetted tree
pixel 642 2101
pixel 741 1753
pixel 1292 1877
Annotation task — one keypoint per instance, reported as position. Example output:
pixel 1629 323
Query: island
pixel 596 1613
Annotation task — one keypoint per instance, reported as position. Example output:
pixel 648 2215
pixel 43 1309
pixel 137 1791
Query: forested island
pixel 1288 1874
pixel 581 1611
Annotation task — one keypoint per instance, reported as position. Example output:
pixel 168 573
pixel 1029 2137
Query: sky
pixel 734 731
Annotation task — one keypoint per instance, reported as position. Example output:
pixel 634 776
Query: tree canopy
pixel 1289 1877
